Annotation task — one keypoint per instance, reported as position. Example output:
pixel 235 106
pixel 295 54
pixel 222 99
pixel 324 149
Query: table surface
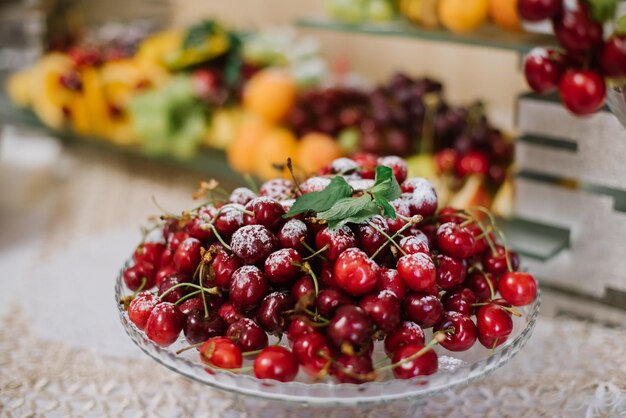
pixel 68 225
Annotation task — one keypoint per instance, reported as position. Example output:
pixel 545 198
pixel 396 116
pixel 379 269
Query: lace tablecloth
pixel 63 352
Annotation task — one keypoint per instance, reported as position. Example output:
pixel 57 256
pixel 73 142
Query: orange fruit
pixel 463 15
pixel 275 147
pixel 270 94
pixel 504 14
pixel 315 151
pixel 241 152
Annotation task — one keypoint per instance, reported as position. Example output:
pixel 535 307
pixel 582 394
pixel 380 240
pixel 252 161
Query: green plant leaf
pixel 388 210
pixel 602 10
pixel 351 209
pixel 620 26
pixel 386 186
pixel 323 200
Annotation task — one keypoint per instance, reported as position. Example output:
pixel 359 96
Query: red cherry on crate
pixel 198 327
pixel 164 324
pixel 494 325
pixel 253 243
pixel 417 271
pixel 474 162
pixel 407 333
pixel 518 288
pixel 390 280
pixel 300 325
pixel 423 365
pixel 247 334
pixel 149 252
pixel 424 309
pixel 538 10
pixel 397 164
pixel 228 313
pixel 222 353
pixel 292 234
pixel 355 272
pixel 137 275
pixel 543 69
pixel 383 309
pixel 223 266
pixel 455 240
pixel 282 266
pixel 613 57
pixel 247 288
pixel 460 331
pixel 450 271
pixel 582 91
pixel 277 363
pixel 329 300
pixel 350 325
pixel 140 308
pixel 460 300
pixel 577 31
pixel 352 369
pixel 241 196
pixel 313 353
pixel 270 315
pixel 187 256
pixel 337 240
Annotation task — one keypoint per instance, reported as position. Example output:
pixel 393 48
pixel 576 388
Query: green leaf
pixel 386 185
pixel 602 10
pixel 388 210
pixel 620 26
pixel 321 201
pixel 198 33
pixel 351 209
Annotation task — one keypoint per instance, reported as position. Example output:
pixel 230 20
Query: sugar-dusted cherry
pixel 460 331
pixel 277 363
pixel 410 365
pixel 368 236
pixel 355 272
pixel 455 240
pixel 187 256
pixel 417 243
pixel 518 288
pixel 278 189
pixel 390 280
pixel 397 164
pixel 222 353
pixel 140 308
pixel 253 243
pixel 247 334
pixel 173 280
pixel 421 196
pixel 292 235
pixel 424 309
pixel 247 288
pixel 241 195
pixel 164 324
pixel 282 266
pixel 417 271
pixel 407 333
pixel 229 220
pixel 338 240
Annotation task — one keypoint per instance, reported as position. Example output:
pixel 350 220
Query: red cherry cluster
pixel 231 273
pixel 579 70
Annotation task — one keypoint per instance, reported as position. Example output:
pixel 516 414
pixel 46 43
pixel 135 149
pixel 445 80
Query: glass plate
pixel 454 368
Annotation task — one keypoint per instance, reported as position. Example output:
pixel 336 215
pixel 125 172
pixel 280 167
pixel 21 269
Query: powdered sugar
pixel 287 204
pixel 293 229
pixel 242 195
pixel 343 165
pixel 360 184
pixel 278 189
pixel 314 184
pixel 252 243
pixel 232 214
pixel 280 257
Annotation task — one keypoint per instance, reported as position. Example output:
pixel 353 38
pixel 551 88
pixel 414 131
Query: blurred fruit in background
pixel 504 14
pixel 361 11
pixel 270 94
pixel 421 12
pixel 463 15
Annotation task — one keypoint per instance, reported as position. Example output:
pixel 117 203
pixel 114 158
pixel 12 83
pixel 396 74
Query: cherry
pixel 355 272
pixel 163 273
pixel 164 324
pixel 187 256
pixel 300 325
pixel 474 162
pixel 449 214
pixel 577 31
pixel 390 280
pixel 167 258
pixel 446 160
pixel 481 244
pixel 421 196
pixel 496 263
pixel 170 227
pixel 423 365
pixel 267 212
pixel 223 266
pixel 313 353
pixel 222 353
pixel 455 240
pixel 417 271
pixel 582 91
pixel 407 333
pixel 543 69
pixel 200 226
pixel 150 253
pixel 494 325
pixel 270 314
pixel 278 189
pixel 228 313
pixel 397 164
pixel 460 331
pixel 460 300
pixel 401 206
pixel 477 283
pixel 247 334
pixel 518 288
pixel 369 239
pixel 352 369
pixel 350 325
pixel 171 281
pixel 343 166
pixel 138 274
pixel 338 241
pixel 292 234
pixel 282 266
pixel 414 244
pixel 213 304
pixel 450 271
pixel 613 57
pixel 229 220
pixel 277 363
pixel 538 10
pixel 247 288
pixel 329 300
pixel 253 243
pixel 367 163
pixel 327 274
pixel 175 239
pixel 198 327
pixel 383 309
pixel 303 288
pixel 140 308
pixel 423 309
pixel 241 196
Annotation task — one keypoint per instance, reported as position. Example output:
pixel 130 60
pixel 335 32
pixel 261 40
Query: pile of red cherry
pixel 230 273
pixel 579 70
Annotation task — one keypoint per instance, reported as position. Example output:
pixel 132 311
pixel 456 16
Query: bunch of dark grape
pixel 236 273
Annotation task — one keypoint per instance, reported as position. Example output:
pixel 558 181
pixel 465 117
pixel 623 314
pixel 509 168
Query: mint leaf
pixel 388 210
pixel 321 201
pixel 602 10
pixel 351 209
pixel 386 186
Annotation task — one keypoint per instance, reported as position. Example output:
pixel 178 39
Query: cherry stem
pixel 509 266
pixel 389 239
pixel 316 317
pixel 182 350
pixel 219 238
pixel 318 252
pixel 159 207
pixel 504 308
pixel 409 222
pixel 144 280
pixel 187 296
pixel 212 290
pixel 308 247
pixel 293 175
pixel 362 377
pixel 492 291
pixel 438 338
pixel 205 305
pixel 252 353
pixel 306 267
